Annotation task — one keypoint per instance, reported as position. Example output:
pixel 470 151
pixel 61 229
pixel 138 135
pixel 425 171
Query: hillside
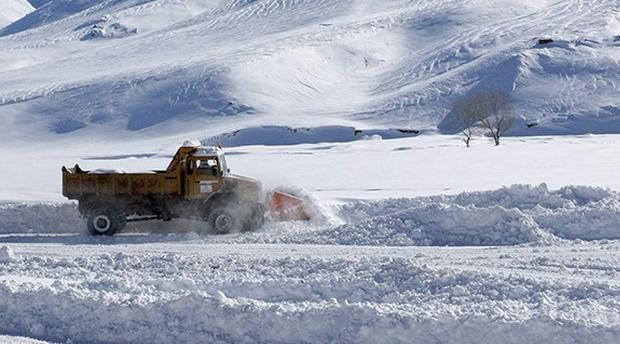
pixel 135 68
pixel 12 10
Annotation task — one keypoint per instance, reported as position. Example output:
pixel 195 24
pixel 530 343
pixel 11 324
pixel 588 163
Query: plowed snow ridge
pixel 512 215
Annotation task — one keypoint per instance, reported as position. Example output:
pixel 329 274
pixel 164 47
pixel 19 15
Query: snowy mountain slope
pixel 126 68
pixel 12 10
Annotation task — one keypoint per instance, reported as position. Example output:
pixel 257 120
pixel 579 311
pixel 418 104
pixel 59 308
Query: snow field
pixel 340 168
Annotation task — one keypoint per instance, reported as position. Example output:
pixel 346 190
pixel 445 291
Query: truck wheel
pixel 104 222
pixel 223 221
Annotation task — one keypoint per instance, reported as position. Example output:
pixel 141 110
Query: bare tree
pixel 468 133
pixel 467 118
pixel 493 110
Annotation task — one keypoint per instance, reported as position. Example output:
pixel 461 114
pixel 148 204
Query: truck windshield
pixel 207 166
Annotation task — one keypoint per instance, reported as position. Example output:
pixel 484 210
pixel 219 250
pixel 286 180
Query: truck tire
pixel 224 221
pixel 104 222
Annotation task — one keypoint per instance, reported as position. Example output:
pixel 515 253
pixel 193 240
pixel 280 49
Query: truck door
pixel 203 177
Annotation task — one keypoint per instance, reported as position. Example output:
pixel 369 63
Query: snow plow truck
pixel 197 184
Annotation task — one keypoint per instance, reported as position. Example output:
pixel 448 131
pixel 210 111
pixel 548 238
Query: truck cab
pixel 204 172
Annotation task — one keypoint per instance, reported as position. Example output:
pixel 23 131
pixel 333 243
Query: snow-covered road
pixel 195 291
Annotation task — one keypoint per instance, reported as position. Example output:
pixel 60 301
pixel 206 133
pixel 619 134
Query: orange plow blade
pixel 285 207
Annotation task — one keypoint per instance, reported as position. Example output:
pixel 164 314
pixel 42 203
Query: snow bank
pixel 202 317
pixel 508 216
pixel 513 215
pixel 528 197
pixel 516 196
pixel 441 224
pixel 40 218
pixel 597 220
pixel 572 212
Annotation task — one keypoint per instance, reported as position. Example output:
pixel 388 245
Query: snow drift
pixel 510 215
pixel 513 215
pixel 39 218
pixel 441 225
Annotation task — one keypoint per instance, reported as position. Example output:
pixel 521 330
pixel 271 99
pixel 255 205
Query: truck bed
pixel 77 183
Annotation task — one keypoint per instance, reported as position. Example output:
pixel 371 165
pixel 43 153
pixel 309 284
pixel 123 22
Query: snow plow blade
pixel 285 207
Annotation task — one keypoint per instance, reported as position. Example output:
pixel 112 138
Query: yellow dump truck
pixel 196 185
